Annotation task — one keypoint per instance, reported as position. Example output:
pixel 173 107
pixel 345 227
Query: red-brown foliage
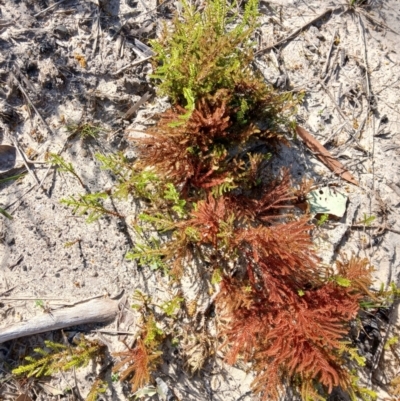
pixel 289 326
pixel 196 151
pixel 206 218
pixel 138 362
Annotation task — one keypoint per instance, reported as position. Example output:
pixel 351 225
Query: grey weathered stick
pixel 132 65
pixel 30 102
pixel 48 8
pixel 94 311
pixel 325 69
pixel 362 36
pixel 21 155
pixel 298 31
pixel 136 106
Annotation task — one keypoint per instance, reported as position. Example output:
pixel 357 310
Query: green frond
pixel 98 387
pixel 90 204
pixel 148 254
pixel 204 53
pixel 60 357
pixel 171 307
pixel 153 334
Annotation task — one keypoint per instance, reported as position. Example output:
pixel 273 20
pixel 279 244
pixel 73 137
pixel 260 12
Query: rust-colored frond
pixel 286 246
pixel 359 272
pixel 168 155
pixel 206 218
pixel 273 203
pixel 210 120
pixel 139 363
pixel 296 336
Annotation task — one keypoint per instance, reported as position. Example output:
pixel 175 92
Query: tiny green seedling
pixel 323 219
pixel 172 307
pixel 85 130
pixel 148 254
pixel 39 303
pixel 71 243
pixel 172 195
pixel 63 166
pixel 391 342
pixel 367 220
pixel 354 3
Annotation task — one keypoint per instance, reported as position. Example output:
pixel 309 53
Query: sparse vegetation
pixel 84 130
pixel 63 166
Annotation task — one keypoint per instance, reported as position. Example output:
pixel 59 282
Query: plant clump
pixel 210 199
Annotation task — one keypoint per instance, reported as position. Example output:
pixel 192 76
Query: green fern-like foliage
pixel 59 357
pixel 205 51
pixel 143 183
pixel 90 204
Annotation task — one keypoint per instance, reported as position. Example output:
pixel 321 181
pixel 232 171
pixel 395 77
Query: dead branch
pixel 94 311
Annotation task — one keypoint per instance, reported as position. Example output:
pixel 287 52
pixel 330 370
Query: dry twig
pixel 299 30
pixel 137 62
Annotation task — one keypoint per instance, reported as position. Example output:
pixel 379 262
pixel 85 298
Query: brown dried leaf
pixel 325 157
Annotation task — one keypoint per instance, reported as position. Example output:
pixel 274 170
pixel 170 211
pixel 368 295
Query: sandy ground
pixel 70 60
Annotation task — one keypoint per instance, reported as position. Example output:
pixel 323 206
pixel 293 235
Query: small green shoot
pixel 355 3
pixel 71 243
pixel 12 178
pixel 386 297
pixel 172 195
pixel 367 220
pixel 323 219
pixel 142 301
pixel 342 281
pixel 98 387
pixel 148 254
pixel 142 183
pixel 391 342
pixel 216 277
pixel 39 303
pixel 357 392
pixel 90 204
pixel 63 166
pixel 172 307
pixel 153 333
pixel 85 130
pixel 5 214
pixel 59 357
pixel 160 222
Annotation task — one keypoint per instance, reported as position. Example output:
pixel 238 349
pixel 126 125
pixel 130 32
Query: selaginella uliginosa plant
pixel 203 173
